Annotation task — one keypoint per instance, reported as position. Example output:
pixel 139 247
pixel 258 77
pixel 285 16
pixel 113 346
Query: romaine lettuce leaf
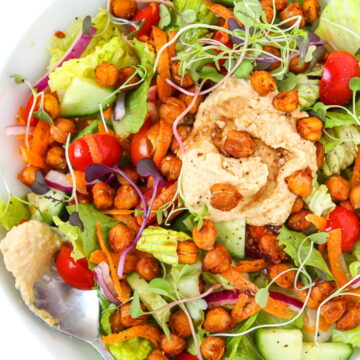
pixel 12 212
pixel 162 243
pixel 347 337
pixel 133 349
pixel 214 279
pixel 319 201
pixel 106 309
pixel 291 240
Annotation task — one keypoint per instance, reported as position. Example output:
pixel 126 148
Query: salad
pixel 197 164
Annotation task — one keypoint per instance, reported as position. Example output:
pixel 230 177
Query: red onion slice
pixel 355 283
pixel 102 276
pixel 293 303
pixel 222 298
pixel 18 130
pixel 119 108
pixel 58 180
pixel 75 51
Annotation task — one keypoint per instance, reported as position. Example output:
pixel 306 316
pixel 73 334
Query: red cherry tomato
pixel 28 108
pixel 151 15
pixel 348 222
pixel 74 273
pixel 186 356
pixel 140 145
pixel 339 69
pixel 220 36
pixel 94 148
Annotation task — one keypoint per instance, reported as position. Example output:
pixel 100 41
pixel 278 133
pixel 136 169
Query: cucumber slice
pixel 279 344
pixel 83 97
pixel 328 351
pixel 151 301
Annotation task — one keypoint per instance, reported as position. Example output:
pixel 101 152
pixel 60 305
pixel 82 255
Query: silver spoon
pixel 77 311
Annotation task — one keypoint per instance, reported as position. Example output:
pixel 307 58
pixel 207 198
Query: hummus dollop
pixel 260 178
pixel 28 251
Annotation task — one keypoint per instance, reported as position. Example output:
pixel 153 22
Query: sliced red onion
pixel 355 283
pixel 18 130
pixel 152 94
pixel 222 298
pixel 119 108
pixel 102 276
pixel 75 51
pixel 58 180
pixel 293 303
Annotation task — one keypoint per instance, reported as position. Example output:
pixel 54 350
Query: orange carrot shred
pixel 32 158
pixel 97 257
pixel 163 88
pixel 163 142
pixel 118 212
pixel 40 139
pixel 172 47
pixel 94 149
pixel 318 221
pixel 80 181
pixel 250 266
pixel 355 177
pixel 220 10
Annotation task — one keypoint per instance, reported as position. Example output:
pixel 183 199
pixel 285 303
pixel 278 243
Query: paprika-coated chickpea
pixel 55 158
pixel 115 321
pixel 298 205
pixel 347 205
pixel 355 197
pixel 170 109
pixel 217 260
pixel 52 106
pixel 286 280
pixel 296 67
pixel 279 4
pixel 320 154
pixel 333 310
pixel 131 173
pixel 269 13
pixel 184 132
pixel 212 348
pixel 339 188
pixel 218 320
pixel 286 101
pixel 311 10
pixel 205 237
pixel 187 252
pixel 106 75
pixel 125 9
pixel 157 355
pixel 127 320
pixel 28 175
pixel 124 77
pixel 173 346
pixel 179 324
pixel 170 167
pixel 184 81
pixel 269 246
pixel 224 197
pixel 103 195
pixel 294 9
pixel 187 99
pixel 61 129
pixel 120 237
pixel 298 220
pixel 275 51
pixel 126 197
pixel 239 144
pixel 300 182
pixel 148 267
pixel 263 82
pixel 310 128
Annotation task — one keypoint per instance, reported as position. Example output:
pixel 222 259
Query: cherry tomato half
pixel 348 222
pixel 221 36
pixel 151 15
pixel 94 148
pixel 74 273
pixel 186 356
pixel 339 69
pixel 140 145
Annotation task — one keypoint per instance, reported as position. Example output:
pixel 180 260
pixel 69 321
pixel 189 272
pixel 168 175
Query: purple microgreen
pixel 75 220
pixel 39 187
pixel 146 167
pixel 97 172
pixel 321 274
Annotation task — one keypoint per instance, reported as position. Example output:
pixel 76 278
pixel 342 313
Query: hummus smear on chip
pixel 259 180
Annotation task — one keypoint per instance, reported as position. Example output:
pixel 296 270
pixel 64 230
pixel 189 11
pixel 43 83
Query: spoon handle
pixel 102 350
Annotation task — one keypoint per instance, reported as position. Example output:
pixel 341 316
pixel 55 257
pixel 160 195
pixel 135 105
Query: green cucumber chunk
pixel 327 351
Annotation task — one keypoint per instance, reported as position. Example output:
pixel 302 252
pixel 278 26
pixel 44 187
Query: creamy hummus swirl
pixel 260 178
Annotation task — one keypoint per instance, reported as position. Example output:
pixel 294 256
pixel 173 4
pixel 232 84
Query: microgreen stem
pixel 72 173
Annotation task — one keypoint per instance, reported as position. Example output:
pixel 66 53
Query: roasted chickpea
pixel 184 132
pixel 126 197
pixel 157 355
pixel 269 246
pixel 347 205
pixel 170 109
pixel 115 321
pixel 103 195
pixel 217 260
pixel 55 158
pixel 239 144
pixel 28 175
pixel 124 75
pixel 185 81
pixel 61 130
pixel 170 167
pixel 310 128
pixel 286 101
pixel 355 196
pixel 127 320
pixel 286 280
pixel 224 197
pixel 333 310
pixel 131 173
pixel 294 9
pixel 300 182
pixel 269 13
pixel 339 188
pixel 52 106
pixel 148 267
pixel 263 82
pixel 279 4
pixel 187 252
pixel 298 220
pixel 179 324
pixel 120 237
pixel 320 154
pixel 275 51
pixel 205 237
pixel 298 205
pixel 218 320
pixel 186 99
pixel 311 10
pixel 173 346
pixel 213 348
pixel 351 319
pixel 128 220
pixel 123 8
pixel 296 67
pixel 106 75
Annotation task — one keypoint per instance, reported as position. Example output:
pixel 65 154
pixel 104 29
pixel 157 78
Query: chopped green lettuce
pixel 292 240
pixel 354 269
pixel 90 216
pixel 356 251
pixel 72 233
pixel 309 91
pixel 106 310
pixel 12 212
pixel 319 201
pixel 214 279
pixel 347 337
pixel 136 101
pixel 162 243
pixel 133 349
pixel 340 25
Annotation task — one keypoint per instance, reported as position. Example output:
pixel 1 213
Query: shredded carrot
pixel 163 142
pixel 118 212
pixel 318 221
pixel 97 257
pixel 123 295
pixel 32 158
pixel 336 260
pixel 355 177
pixel 80 181
pixel 244 308
pixel 310 326
pixel 220 10
pixel 149 332
pixel 353 298
pixel 40 139
pixel 172 47
pixel 278 309
pixel 250 266
pixel 163 88
pixel 21 116
pixel 94 149
pixel 108 112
